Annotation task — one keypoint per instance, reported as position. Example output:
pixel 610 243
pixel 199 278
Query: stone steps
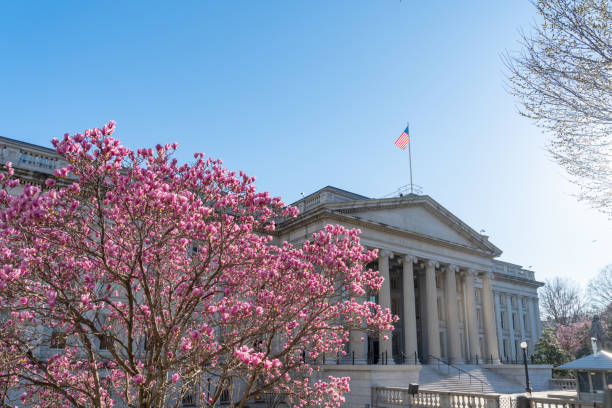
pixel 449 379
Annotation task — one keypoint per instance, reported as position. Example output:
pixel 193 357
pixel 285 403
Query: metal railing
pixel 459 371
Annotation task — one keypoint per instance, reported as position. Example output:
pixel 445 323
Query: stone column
pixel 384 299
pixel 500 331
pixel 360 348
pixel 452 315
pixel 470 305
pixel 488 308
pixel 431 295
pixel 510 326
pixel 536 306
pixel 532 320
pixel 521 319
pixel 410 329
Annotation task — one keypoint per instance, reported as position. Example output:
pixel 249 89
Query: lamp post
pixel 527 385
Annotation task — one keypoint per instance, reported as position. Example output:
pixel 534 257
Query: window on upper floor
pixel 188 400
pixel 502 318
pixel 105 342
pixel 58 340
pixel 225 396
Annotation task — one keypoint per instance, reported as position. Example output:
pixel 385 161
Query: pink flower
pixel 175 377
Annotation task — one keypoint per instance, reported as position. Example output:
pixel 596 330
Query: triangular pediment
pixel 420 215
pixel 415 219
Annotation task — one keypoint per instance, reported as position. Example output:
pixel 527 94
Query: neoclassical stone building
pixel 455 301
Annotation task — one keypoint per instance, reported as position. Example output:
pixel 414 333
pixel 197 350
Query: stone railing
pixel 31 160
pixel 512 270
pixel 565 384
pixel 563 403
pixel 393 397
pixel 383 397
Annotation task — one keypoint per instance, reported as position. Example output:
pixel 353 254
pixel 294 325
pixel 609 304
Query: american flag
pixel 404 139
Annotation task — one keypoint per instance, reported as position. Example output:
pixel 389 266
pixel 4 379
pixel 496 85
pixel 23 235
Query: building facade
pixel 456 302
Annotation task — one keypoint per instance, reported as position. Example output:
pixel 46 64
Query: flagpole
pixel 410 158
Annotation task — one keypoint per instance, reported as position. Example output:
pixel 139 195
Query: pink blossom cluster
pixel 575 337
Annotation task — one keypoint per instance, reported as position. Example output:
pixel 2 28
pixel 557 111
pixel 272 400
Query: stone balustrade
pixel 393 397
pixel 400 397
pixel 29 157
pixel 565 384
pixel 563 403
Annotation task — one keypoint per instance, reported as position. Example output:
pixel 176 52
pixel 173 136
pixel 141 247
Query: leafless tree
pixel 600 289
pixel 561 302
pixel 563 80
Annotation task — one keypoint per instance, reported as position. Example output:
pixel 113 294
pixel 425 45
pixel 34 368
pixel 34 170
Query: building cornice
pixel 517 280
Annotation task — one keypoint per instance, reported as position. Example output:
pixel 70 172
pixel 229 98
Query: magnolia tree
pixel 135 281
pixel 575 338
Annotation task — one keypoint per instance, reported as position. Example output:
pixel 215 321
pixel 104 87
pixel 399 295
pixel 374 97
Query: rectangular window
pixel 502 318
pixel 189 400
pixel 583 382
pixel 394 308
pixel 58 340
pixel 105 342
pixel 440 310
pixel 597 381
pixel 514 323
pixel 225 397
pixel 395 281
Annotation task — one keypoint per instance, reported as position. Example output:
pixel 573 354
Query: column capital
pixel 452 268
pixel 469 273
pixel 432 262
pixel 486 275
pixel 408 258
pixel 385 253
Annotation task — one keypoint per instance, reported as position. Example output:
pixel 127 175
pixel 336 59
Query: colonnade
pixel 432 334
pixel 524 331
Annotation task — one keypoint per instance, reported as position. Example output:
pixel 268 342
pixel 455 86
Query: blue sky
pixel 304 94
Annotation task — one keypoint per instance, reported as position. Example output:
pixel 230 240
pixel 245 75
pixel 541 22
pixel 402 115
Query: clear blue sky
pixel 303 94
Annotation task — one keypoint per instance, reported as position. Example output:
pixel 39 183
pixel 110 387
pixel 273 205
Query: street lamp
pixel 527 385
